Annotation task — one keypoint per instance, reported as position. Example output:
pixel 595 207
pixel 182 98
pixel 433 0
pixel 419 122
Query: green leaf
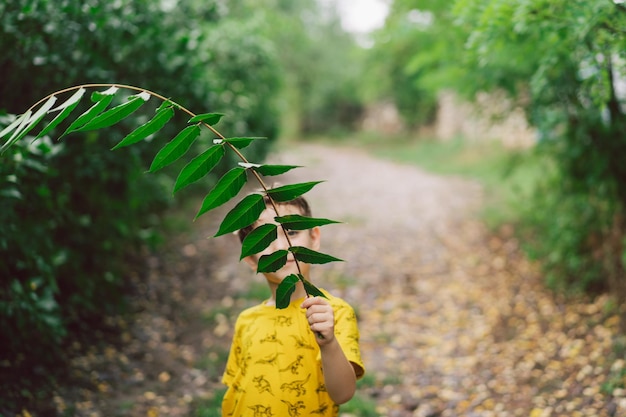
pixel 289 192
pixel 241 143
pixel 310 256
pixel 312 289
pixel 298 222
pixel 269 170
pixel 99 95
pixel 102 100
pixel 272 262
pixel 199 166
pixel 259 239
pixel 226 188
pixel 117 113
pixel 285 289
pixel 28 123
pixel 208 118
pixel 39 114
pixel 66 108
pixel 16 127
pixel 243 214
pixel 155 124
pixel 42 111
pixel 176 148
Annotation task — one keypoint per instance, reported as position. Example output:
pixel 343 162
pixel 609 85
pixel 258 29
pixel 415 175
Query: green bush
pixel 575 224
pixel 564 65
pixel 73 214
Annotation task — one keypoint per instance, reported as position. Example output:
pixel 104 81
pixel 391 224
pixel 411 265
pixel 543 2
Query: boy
pixel 303 360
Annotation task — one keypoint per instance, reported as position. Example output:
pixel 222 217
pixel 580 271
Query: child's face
pixel 307 238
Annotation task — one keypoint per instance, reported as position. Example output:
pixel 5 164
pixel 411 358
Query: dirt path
pixel 453 320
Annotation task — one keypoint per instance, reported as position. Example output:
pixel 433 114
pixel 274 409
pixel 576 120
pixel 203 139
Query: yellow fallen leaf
pixel 612 321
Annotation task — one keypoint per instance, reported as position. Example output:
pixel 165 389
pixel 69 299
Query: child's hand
pixel 321 319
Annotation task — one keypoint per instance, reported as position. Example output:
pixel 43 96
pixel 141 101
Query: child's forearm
pixel 339 375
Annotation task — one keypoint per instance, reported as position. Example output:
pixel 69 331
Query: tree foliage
pixel 43 306
pixel 73 214
pixel 321 64
pixel 570 59
pixel 416 55
pixel 565 63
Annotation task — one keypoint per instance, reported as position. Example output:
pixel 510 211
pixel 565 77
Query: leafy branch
pixel 102 114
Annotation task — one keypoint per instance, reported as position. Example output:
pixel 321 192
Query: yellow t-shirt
pixel 274 367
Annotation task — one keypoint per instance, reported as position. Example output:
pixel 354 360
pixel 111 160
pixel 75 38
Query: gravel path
pixel 401 226
pixel 454 321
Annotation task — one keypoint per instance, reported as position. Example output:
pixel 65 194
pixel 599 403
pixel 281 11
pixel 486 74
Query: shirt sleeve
pixel 347 334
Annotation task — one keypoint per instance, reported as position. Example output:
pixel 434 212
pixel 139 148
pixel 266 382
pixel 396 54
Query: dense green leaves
pixel 226 188
pixel 246 212
pixel 420 52
pixel 259 239
pixel 67 229
pixel 321 62
pixel 564 63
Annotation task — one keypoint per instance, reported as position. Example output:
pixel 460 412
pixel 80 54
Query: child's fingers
pixel 311 301
pixel 322 325
pixel 322 312
pixel 320 316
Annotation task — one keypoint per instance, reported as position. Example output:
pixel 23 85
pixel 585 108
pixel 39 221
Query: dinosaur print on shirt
pixel 274 366
pixel 296 387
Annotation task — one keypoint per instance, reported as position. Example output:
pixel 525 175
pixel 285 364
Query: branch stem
pixel 211 128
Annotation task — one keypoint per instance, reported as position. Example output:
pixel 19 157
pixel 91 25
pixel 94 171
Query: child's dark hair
pixel 300 202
